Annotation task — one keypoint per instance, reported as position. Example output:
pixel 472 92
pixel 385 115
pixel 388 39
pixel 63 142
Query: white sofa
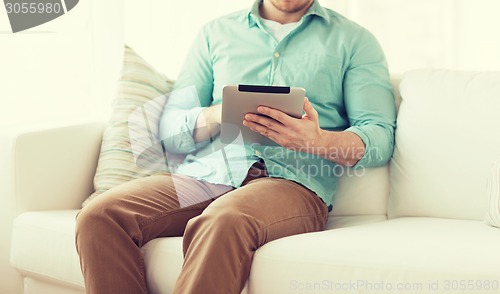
pixel 413 226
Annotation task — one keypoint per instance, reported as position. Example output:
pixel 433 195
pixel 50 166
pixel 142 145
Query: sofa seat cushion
pixel 413 253
pixel 43 246
pixel 163 256
pixel 360 252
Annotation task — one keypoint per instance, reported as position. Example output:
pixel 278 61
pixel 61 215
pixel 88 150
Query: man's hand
pixel 305 135
pixel 208 123
pixel 300 134
pixel 215 113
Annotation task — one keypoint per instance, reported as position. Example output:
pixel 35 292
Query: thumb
pixel 309 110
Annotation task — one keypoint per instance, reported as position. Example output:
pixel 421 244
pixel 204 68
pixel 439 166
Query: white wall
pixel 162 31
pixel 458 34
pixel 44 72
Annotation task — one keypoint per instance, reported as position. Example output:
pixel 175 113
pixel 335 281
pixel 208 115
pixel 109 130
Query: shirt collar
pixel 315 9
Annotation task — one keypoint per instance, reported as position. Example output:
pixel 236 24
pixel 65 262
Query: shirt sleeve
pixel 192 93
pixel 369 100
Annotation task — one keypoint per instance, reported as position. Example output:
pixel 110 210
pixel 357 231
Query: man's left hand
pixel 300 134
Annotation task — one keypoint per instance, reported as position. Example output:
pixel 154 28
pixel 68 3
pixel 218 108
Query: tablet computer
pixel 238 100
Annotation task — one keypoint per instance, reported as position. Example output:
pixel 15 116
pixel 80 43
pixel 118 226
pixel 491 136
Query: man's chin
pixel 290 6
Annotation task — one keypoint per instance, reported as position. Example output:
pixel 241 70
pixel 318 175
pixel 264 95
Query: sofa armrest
pixel 54 168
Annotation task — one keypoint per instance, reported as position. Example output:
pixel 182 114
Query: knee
pixel 95 221
pixel 223 220
pixel 88 222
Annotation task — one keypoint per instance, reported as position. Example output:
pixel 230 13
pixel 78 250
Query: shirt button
pixel 258 153
pixel 276 54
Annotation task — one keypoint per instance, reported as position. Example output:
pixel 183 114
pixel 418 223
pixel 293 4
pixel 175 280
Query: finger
pixel 277 115
pixel 265 121
pixel 272 135
pixel 309 109
pixel 258 128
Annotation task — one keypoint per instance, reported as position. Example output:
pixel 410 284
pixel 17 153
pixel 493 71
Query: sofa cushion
pixel 493 215
pixel 405 255
pixel 362 192
pixel 361 250
pixel 130 147
pixel 43 246
pixel 446 141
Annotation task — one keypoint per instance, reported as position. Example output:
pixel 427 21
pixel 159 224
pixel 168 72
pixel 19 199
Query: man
pixel 228 200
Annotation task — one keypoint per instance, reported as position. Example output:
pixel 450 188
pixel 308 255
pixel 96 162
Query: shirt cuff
pixel 372 154
pixel 191 118
pixel 177 131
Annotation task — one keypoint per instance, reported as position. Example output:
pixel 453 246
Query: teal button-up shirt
pixel 339 63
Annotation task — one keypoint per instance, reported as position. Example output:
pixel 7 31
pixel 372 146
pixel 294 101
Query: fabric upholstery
pixel 55 257
pixel 130 147
pixel 446 141
pixel 360 248
pixel 493 215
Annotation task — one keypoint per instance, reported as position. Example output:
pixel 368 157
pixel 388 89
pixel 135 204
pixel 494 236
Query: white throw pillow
pixel 493 215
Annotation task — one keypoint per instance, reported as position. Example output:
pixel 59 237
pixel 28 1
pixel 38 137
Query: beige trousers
pixel 222 228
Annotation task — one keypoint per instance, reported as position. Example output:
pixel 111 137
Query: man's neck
pixel 268 11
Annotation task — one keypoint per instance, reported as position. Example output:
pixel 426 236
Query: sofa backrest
pixel 365 191
pixel 447 137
